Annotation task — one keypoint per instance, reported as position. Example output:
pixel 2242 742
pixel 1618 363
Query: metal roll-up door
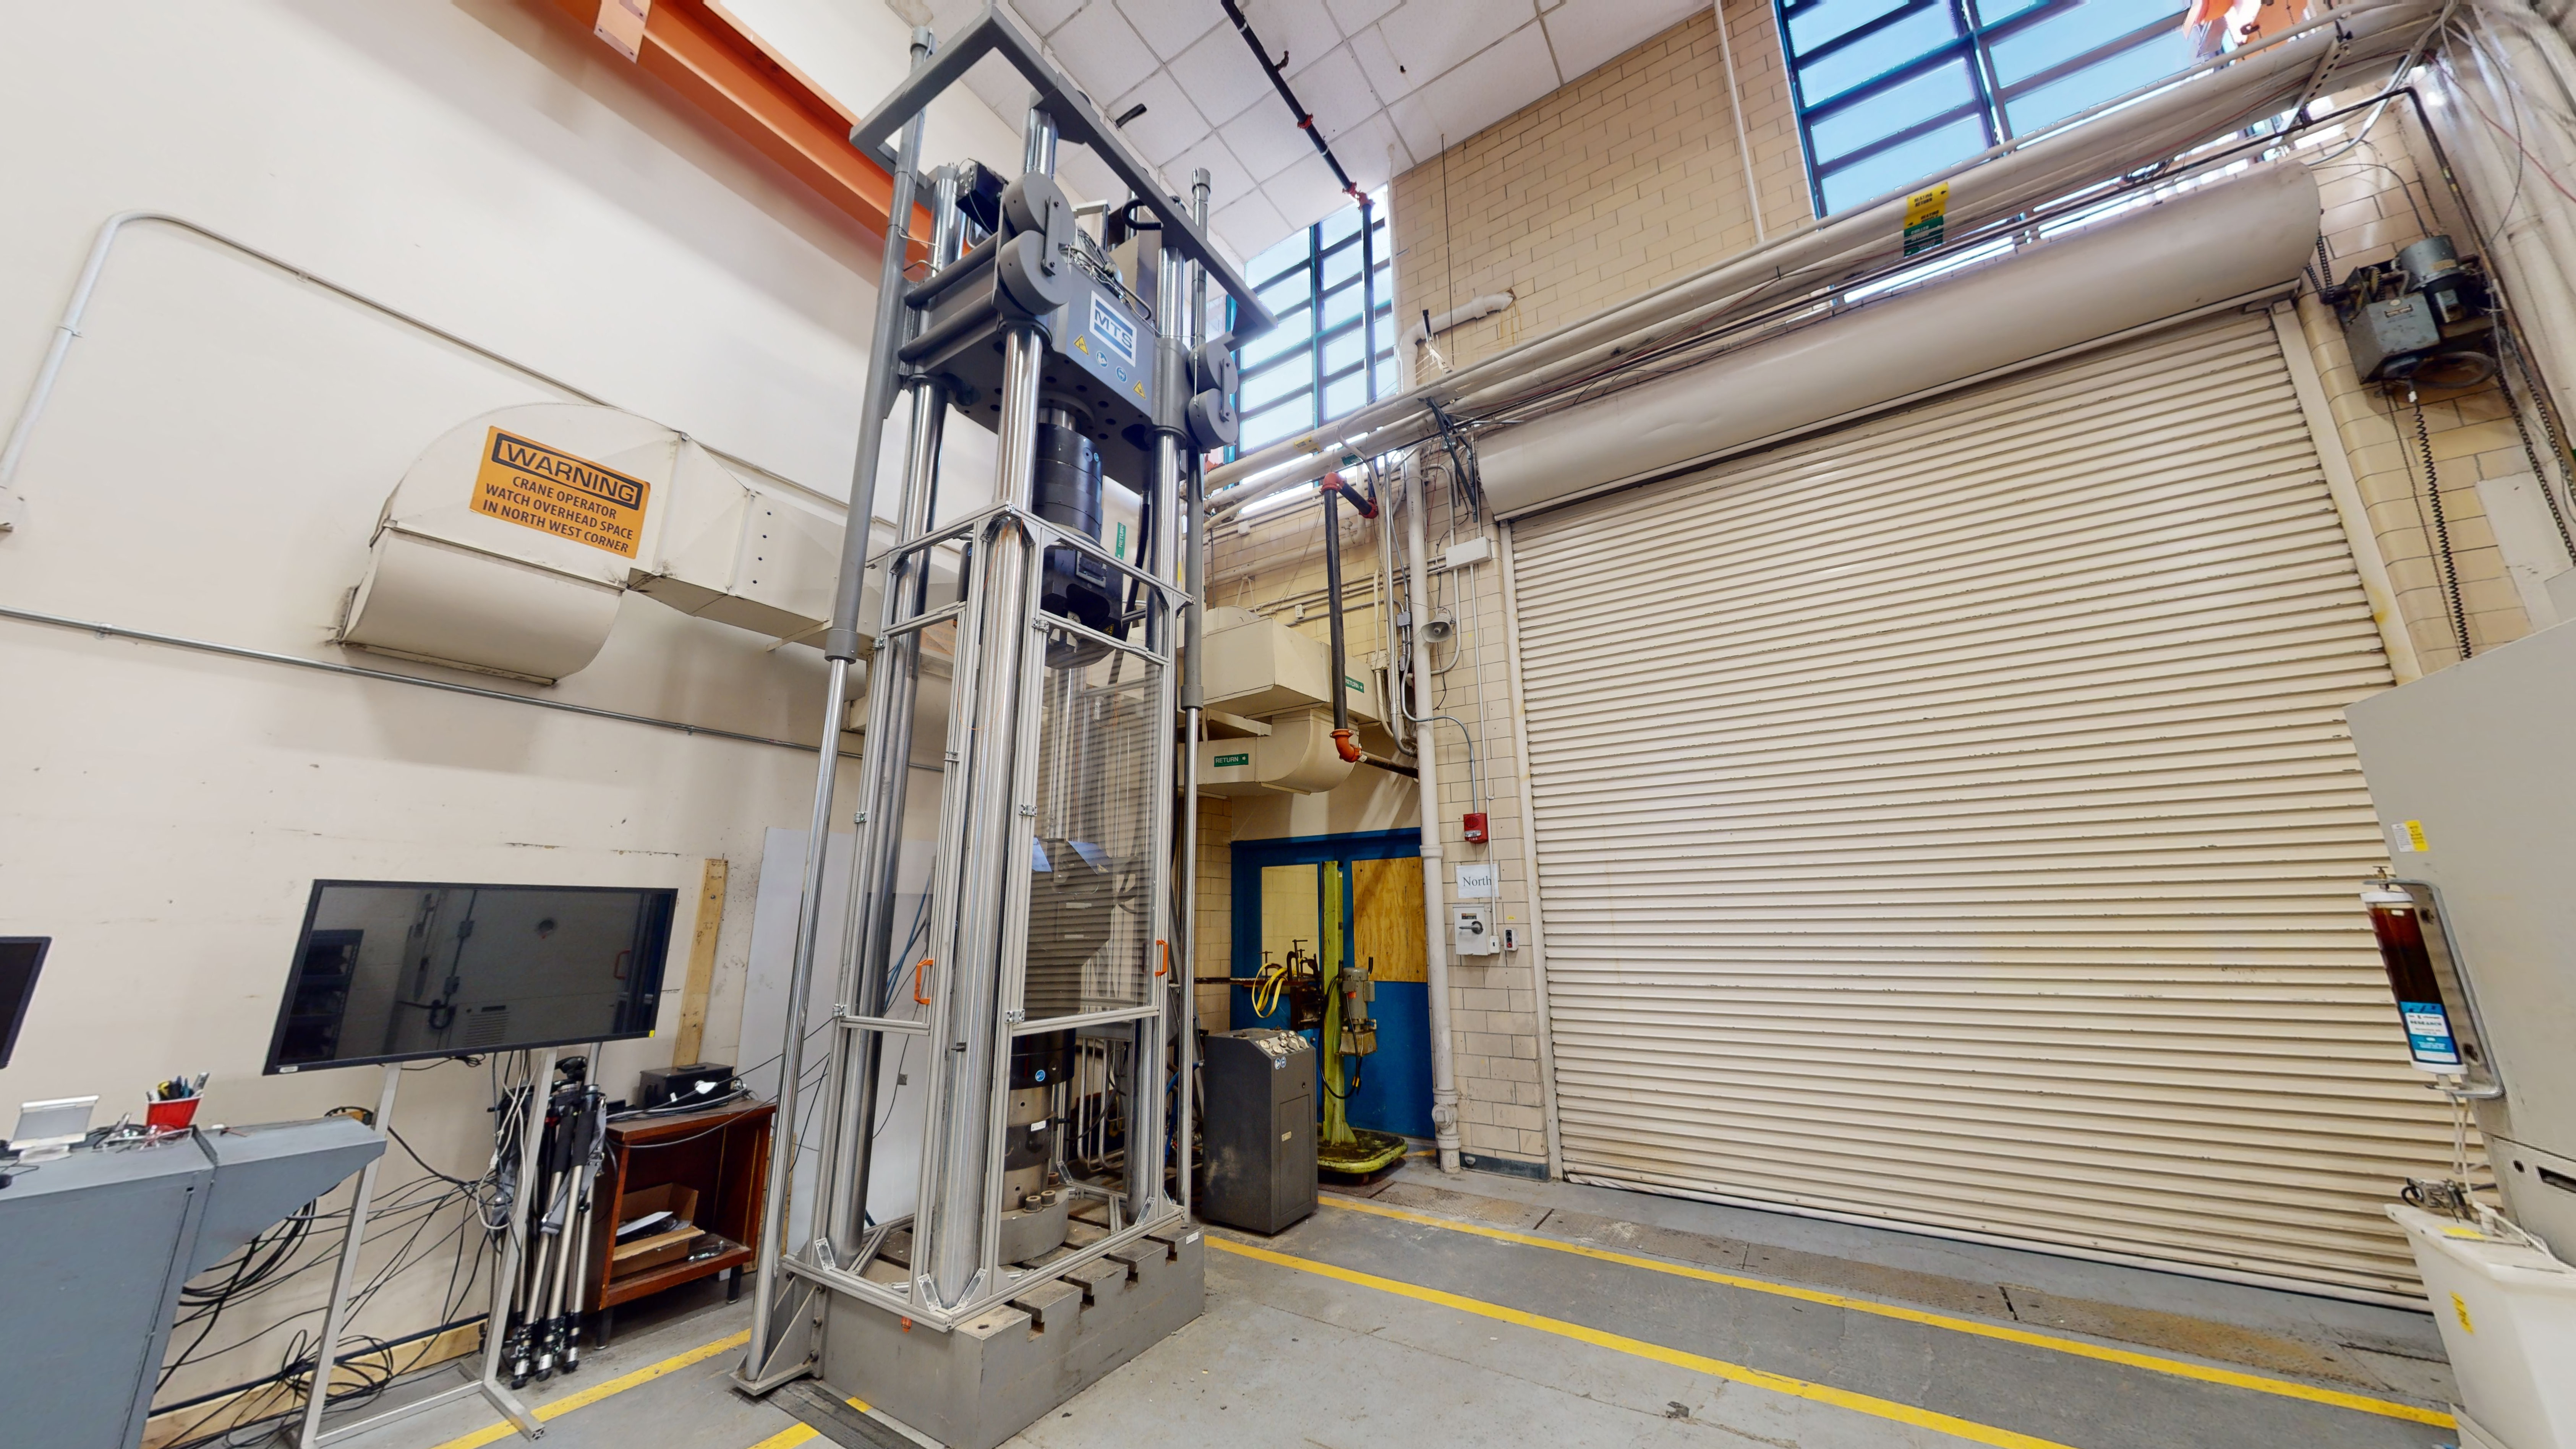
pixel 1950 822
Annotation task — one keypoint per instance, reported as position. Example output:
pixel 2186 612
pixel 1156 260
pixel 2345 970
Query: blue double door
pixel 1372 883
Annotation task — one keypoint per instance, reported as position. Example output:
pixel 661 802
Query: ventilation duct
pixel 2219 240
pixel 507 546
pixel 1259 668
pixel 2203 246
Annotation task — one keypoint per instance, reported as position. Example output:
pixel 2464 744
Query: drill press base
pixel 978 1384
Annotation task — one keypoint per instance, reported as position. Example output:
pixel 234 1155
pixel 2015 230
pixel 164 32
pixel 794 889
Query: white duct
pixel 2219 240
pixel 509 542
pixel 2353 44
pixel 2504 105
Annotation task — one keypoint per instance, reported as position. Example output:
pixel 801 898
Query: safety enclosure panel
pixel 1950 822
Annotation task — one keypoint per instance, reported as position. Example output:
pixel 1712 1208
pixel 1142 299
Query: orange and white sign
pixel 523 481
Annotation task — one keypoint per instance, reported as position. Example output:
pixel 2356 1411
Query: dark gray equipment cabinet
pixel 95 1246
pixel 1259 1129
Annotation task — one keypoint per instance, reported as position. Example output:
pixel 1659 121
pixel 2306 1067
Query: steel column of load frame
pixel 840 645
pixel 868 946
pixel 1058 790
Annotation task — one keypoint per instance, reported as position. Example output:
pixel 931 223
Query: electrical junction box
pixel 1475 934
pixel 1473 551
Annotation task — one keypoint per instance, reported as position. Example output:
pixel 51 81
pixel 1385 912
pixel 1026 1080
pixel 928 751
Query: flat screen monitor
pixel 394 971
pixel 21 957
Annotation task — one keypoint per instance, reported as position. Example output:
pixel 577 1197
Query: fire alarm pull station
pixel 1475 827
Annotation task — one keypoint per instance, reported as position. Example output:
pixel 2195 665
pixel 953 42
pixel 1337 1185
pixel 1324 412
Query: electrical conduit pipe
pixel 1435 884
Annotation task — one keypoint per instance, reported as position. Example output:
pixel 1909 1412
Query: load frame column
pixel 841 646
pixel 956 1241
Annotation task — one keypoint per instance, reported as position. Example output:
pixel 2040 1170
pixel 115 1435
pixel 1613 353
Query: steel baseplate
pixel 987 1379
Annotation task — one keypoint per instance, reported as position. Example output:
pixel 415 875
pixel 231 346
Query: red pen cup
pixel 171 1116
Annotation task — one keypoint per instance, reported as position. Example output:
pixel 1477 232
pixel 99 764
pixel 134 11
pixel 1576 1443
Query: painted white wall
pixel 218 448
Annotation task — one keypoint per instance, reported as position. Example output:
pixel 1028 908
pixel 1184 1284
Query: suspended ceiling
pixel 1387 81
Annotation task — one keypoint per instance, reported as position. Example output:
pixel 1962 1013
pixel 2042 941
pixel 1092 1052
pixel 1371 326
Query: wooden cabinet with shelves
pixel 722 1156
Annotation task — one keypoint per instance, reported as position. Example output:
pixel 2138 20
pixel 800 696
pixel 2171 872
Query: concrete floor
pixel 1485 1310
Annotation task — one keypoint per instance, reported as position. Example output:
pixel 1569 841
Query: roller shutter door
pixel 1950 822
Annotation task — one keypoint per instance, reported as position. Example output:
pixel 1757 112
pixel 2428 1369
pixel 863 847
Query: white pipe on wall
pixel 1435 880
pixel 2155 122
pixel 2216 241
pixel 1485 306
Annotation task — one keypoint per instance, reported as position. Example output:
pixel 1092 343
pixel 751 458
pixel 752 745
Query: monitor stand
pixel 506 1272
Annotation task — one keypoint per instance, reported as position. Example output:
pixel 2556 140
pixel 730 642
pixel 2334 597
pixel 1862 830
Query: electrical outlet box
pixel 1475 934
pixel 1473 551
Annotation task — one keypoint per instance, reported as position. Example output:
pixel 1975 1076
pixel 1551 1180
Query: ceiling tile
pixel 1043 15
pixel 1170 123
pixel 1265 140
pixel 1491 85
pixel 1087 176
pixel 1250 225
pixel 1221 76
pixel 1386 76
pixel 1102 51
pixel 1300 29
pixel 1170 25
pixel 1363 149
pixel 1305 193
pixel 1228 182
pixel 1336 92
pixel 1352 14
pixel 1428 37
pixel 1417 125
pixel 1000 87
pixel 947 17
pixel 1586 33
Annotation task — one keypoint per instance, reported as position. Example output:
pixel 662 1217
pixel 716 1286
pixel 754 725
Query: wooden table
pixel 724 1155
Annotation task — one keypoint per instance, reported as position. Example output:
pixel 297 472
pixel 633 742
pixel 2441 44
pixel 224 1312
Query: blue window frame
pixel 1890 91
pixel 1333 289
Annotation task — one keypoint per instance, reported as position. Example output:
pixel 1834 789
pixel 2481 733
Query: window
pixel 1333 291
pixel 1890 91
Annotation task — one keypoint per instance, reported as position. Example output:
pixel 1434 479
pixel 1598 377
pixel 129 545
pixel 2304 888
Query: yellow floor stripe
pixel 795 1434
pixel 2180 1368
pixel 1888 1409
pixel 557 1408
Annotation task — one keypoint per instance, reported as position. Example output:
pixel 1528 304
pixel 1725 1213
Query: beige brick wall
pixel 1604 188
pixel 2375 201
pixel 1215 907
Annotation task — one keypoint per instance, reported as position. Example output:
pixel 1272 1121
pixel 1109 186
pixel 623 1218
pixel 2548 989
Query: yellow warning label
pixel 2460 1306
pixel 2413 833
pixel 1927 218
pixel 551 491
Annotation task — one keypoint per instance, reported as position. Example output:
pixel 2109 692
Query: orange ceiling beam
pixel 719 68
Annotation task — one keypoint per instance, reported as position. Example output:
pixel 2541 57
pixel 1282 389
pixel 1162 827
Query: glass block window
pixel 1333 290
pixel 1890 91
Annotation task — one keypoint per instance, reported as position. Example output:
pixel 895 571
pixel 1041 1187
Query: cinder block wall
pixel 1624 179
pixel 2379 195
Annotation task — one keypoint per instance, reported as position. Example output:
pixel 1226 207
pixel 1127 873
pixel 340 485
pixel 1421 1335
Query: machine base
pixel 982 1382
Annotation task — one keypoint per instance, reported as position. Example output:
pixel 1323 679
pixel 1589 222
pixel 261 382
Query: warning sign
pixel 534 486
pixel 1927 217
